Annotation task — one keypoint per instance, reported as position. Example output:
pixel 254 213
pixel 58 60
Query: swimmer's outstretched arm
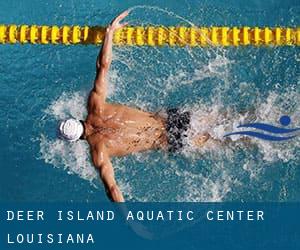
pixel 105 56
pixel 103 164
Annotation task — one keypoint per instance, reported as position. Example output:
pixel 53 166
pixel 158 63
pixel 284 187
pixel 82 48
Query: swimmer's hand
pixel 115 24
pixel 105 57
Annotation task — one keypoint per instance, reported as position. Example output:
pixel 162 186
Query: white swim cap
pixel 70 130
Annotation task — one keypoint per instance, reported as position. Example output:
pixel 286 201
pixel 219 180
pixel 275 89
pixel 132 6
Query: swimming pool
pixel 42 84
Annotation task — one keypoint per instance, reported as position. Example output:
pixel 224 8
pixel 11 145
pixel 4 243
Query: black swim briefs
pixel 177 124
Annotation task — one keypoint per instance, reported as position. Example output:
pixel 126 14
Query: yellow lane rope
pixel 152 35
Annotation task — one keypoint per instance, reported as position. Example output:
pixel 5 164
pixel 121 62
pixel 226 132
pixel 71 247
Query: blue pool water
pixel 42 84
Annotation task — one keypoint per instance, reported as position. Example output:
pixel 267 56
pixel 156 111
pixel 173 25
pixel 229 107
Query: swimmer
pixel 114 130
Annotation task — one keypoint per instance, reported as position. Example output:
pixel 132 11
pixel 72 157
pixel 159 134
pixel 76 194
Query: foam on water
pixel 73 157
pixel 218 120
pixel 213 186
pixel 200 81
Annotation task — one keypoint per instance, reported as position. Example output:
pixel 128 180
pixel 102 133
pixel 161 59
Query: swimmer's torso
pixel 124 130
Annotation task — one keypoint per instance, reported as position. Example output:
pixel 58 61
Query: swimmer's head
pixel 70 130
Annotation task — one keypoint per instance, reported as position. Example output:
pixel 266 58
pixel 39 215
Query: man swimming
pixel 117 130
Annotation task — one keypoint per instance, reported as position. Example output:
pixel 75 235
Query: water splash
pixel 192 185
pixel 215 85
pixel 74 158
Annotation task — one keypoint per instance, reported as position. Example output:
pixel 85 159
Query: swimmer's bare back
pixel 123 130
pixel 113 129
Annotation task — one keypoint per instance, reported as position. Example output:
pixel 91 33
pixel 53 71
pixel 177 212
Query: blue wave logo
pixel 279 133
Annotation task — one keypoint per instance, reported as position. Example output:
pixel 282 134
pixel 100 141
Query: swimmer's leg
pixel 200 140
